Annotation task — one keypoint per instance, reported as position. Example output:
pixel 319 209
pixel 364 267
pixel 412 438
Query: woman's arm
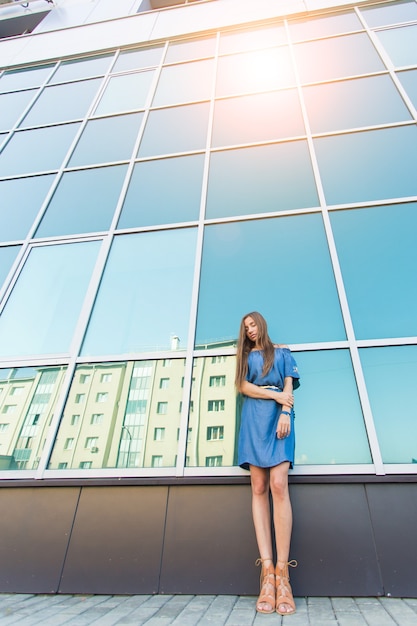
pixel 284 422
pixel 281 397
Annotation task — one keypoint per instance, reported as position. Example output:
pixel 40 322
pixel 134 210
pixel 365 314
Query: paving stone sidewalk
pixel 176 610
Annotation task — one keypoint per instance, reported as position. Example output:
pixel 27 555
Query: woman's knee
pixel 260 486
pixel 279 484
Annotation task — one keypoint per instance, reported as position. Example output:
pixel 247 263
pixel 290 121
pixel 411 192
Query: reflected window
pixel 251 39
pixel 389 13
pixel 37 150
pixel 81 68
pixel 179 129
pixel 384 254
pixel 255 71
pixel 398 445
pixel 108 139
pixel 142 269
pixel 237 254
pixel 325 26
pixel 125 93
pixel 8 256
pixel 62 102
pixel 215 426
pixel 24 78
pixel 93 192
pixel 401 44
pixel 190 49
pixel 127 433
pixel 345 440
pixel 260 180
pixel 354 103
pixel 259 117
pixel 12 106
pixel 370 165
pixel 337 57
pixel 149 202
pixel 138 59
pixel 22 445
pixel 184 83
pixel 42 311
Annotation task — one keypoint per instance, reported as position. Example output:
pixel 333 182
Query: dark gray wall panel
pixel 117 541
pixel 35 524
pixel 333 542
pixel 394 518
pixel 210 542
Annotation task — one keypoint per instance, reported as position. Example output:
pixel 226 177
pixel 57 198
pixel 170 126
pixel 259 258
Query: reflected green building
pixel 165 168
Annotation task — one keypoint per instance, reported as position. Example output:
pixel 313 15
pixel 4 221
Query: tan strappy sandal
pixel 267 587
pixel 284 591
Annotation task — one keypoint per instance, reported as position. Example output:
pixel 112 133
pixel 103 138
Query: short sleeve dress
pixel 258 442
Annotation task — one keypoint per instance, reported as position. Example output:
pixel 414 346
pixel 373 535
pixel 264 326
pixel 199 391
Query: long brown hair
pixel 245 345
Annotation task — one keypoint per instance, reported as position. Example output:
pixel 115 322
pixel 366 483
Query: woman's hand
pixel 285 398
pixel 284 426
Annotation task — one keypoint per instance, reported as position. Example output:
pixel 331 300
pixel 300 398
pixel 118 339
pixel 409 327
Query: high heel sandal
pixel 284 591
pixel 267 587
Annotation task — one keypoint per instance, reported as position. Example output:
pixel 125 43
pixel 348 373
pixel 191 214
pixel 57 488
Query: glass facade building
pixel 167 167
pixel 151 195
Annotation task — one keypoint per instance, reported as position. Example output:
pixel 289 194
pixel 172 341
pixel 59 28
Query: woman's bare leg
pixel 262 518
pixel 282 517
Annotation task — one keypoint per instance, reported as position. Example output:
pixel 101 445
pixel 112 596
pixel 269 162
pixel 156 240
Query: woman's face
pixel 251 329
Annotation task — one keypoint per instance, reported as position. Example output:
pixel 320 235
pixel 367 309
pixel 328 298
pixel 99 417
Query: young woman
pixel 266 374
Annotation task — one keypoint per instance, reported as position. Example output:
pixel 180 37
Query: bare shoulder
pixel 280 345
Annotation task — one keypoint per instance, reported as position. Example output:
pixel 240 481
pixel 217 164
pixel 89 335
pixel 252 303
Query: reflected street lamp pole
pixel 129 445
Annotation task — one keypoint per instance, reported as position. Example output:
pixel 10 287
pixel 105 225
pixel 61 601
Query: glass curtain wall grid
pixel 151 196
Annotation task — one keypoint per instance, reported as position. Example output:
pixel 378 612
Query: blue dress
pixel 258 441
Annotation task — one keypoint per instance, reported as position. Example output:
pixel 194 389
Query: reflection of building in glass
pixel 213 419
pixel 27 400
pixel 121 415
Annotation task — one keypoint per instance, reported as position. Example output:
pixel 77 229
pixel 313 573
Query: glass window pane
pixel 118 432
pixel 125 93
pixel 28 414
pixel 390 13
pixel 8 256
pixel 185 82
pixel 180 129
pixel 251 39
pixel 177 200
pixel 21 200
pixel 95 194
pixel 370 165
pixel 12 106
pixel 409 82
pixel 106 140
pixel 354 103
pixel 258 117
pixel 258 253
pixel 81 68
pixel 384 253
pixel 401 44
pixel 138 59
pixel 191 49
pixel 62 102
pixel 341 437
pixel 43 308
pixel 398 445
pixel 255 71
pixel 336 57
pixel 260 180
pixel 24 78
pixel 37 150
pixel 145 294
pixel 213 421
pixel 313 28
